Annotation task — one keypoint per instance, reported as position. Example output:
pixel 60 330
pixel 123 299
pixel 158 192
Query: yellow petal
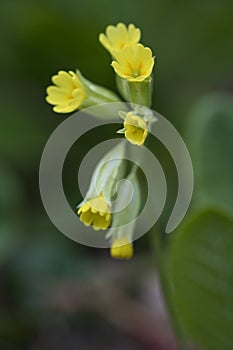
pixel 119 36
pixel 87 217
pixel 134 34
pixel 100 222
pixel 63 109
pixel 56 95
pixel 63 80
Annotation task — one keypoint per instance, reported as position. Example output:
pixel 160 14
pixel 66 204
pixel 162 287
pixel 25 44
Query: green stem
pixel 157 244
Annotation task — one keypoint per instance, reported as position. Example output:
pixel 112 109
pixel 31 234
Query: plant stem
pixel 157 244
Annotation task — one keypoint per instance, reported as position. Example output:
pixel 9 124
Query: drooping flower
pixel 135 129
pixel 67 93
pixel 95 209
pixel 134 64
pixel 119 36
pixel 95 212
pixel 121 249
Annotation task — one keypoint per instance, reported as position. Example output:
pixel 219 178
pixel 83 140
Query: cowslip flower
pixel 95 212
pixel 119 36
pixel 134 64
pixel 95 209
pixel 67 93
pixel 121 248
pixel 135 129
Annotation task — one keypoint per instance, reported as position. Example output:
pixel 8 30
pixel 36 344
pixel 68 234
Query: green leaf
pixel 201 269
pixel 210 140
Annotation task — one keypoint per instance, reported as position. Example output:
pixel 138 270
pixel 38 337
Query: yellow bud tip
pixel 122 249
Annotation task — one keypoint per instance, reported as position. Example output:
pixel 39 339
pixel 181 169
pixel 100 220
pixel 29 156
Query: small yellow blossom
pixel 118 37
pixel 121 249
pixel 67 94
pixel 135 129
pixel 95 212
pixel 134 63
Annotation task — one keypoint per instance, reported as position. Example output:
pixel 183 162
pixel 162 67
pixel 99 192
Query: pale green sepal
pixel 128 215
pixel 121 131
pixel 135 92
pixel 146 114
pixel 122 115
pixel 96 94
pixel 107 173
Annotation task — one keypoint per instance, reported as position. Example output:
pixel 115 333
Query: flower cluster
pixel 133 64
pixel 132 61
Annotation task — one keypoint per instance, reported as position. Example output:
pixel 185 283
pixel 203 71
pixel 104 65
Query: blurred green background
pixel 56 294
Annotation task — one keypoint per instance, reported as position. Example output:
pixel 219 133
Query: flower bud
pixel 123 221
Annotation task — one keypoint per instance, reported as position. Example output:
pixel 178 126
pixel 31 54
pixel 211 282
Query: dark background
pixel 55 293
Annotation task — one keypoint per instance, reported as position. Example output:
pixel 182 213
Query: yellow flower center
pixel 136 74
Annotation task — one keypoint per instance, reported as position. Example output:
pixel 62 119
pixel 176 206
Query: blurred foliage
pixel 210 138
pixel 200 254
pixel 192 42
pixel 202 272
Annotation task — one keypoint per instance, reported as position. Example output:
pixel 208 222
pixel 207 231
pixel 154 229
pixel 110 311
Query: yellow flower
pixel 134 63
pixel 121 249
pixel 118 37
pixel 135 129
pixel 67 94
pixel 95 212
